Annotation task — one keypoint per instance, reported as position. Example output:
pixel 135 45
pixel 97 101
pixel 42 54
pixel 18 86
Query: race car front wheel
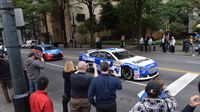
pixel 127 73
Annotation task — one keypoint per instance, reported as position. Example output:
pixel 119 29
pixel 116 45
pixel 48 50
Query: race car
pixel 48 52
pixel 123 63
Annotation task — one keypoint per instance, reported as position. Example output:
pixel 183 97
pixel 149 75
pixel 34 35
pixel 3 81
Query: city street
pixel 180 73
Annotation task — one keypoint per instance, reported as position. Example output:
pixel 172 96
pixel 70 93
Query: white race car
pixel 123 63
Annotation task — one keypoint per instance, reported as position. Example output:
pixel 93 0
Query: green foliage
pixel 108 17
pixel 126 16
pixel 83 28
pixel 177 29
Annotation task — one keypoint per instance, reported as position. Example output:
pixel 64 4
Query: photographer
pixel 153 102
pixel 33 68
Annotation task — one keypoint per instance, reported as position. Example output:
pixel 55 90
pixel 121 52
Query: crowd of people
pixel 81 90
pixel 148 43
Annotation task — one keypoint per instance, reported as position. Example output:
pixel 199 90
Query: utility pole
pixel 21 94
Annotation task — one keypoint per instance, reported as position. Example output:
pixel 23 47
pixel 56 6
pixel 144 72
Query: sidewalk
pixel 178 49
pixel 4 106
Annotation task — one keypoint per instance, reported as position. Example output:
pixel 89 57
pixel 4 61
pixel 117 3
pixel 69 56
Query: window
pixel 80 17
pixel 94 54
pixel 38 48
pixel 123 54
pixel 106 55
pixel 49 47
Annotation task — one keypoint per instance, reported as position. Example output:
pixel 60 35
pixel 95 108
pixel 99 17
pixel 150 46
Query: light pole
pixel 73 31
pixel 21 94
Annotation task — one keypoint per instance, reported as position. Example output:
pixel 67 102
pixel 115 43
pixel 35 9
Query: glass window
pixel 94 54
pixel 123 54
pixel 49 47
pixel 106 55
pixel 38 48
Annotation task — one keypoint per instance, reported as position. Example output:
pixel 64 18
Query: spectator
pixel 153 103
pixel 103 88
pixel 80 82
pixel 172 44
pixel 146 43
pixel 5 79
pixel 122 41
pixel 39 100
pixel 150 41
pixel 163 94
pixel 191 44
pixel 153 43
pixel 141 44
pixel 163 43
pixel 68 70
pixel 98 42
pixel 194 101
pixel 33 68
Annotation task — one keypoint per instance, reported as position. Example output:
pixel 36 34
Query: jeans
pixel 7 85
pixel 106 107
pixel 79 105
pixel 32 86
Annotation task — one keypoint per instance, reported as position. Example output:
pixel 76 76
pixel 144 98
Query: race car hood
pixel 138 60
pixel 54 51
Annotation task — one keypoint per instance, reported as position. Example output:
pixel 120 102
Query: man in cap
pixel 33 68
pixel 152 103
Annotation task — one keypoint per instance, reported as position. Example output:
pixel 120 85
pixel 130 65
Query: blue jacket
pixel 104 88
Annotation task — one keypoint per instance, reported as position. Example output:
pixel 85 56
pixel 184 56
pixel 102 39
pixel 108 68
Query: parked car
pixel 48 52
pixel 123 63
pixel 30 44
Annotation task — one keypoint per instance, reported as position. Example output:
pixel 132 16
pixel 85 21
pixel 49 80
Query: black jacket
pixel 188 108
pixel 5 74
pixel 67 86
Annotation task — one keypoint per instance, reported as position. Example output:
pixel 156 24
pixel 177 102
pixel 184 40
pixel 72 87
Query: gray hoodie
pixel 33 68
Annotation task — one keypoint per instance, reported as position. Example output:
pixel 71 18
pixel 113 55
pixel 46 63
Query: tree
pixel 83 30
pixel 91 5
pixel 126 17
pixel 138 4
pixel 109 17
pixel 61 5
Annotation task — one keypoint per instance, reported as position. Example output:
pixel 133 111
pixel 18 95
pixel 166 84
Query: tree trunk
pixel 91 20
pixel 47 40
pixel 138 5
pixel 63 29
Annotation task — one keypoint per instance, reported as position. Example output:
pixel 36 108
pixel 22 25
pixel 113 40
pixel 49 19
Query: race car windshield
pixel 123 55
pixel 49 47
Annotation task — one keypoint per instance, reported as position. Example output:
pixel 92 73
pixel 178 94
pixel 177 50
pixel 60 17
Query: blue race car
pixel 123 63
pixel 48 52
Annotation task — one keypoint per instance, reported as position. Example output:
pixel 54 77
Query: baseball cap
pixel 153 89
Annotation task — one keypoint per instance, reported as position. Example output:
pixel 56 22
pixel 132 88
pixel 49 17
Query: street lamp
pixel 21 94
pixel 73 31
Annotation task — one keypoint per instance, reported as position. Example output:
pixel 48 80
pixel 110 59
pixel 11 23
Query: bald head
pixel 82 66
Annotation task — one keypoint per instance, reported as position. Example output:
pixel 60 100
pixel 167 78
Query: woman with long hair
pixel 68 70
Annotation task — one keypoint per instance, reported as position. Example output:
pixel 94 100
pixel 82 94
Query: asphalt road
pixel 180 73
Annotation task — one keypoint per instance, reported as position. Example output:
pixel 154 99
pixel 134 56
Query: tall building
pixel 77 13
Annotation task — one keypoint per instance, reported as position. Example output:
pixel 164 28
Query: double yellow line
pixel 177 70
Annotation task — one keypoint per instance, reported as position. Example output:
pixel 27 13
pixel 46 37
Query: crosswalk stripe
pixel 181 83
